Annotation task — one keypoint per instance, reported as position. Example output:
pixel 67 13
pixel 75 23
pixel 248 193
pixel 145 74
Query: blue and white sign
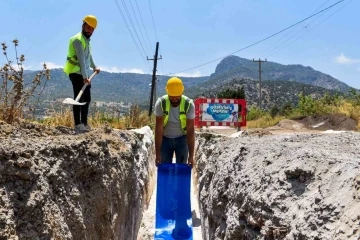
pixel 220 112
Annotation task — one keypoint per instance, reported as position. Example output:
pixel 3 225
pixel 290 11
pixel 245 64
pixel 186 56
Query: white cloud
pixel 195 74
pixel 51 65
pixel 120 70
pixel 39 66
pixel 342 59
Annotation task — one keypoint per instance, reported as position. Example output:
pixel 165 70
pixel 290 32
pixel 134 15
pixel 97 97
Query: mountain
pixel 111 87
pixel 281 83
pixel 273 93
pixel 234 66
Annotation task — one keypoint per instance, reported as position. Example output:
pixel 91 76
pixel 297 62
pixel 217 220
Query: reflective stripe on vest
pixel 184 108
pixel 72 64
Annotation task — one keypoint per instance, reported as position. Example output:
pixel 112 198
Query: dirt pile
pixel 295 186
pixel 55 185
pixel 337 122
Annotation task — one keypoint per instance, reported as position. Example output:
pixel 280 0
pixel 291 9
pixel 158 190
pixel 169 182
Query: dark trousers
pixel 178 145
pixel 80 112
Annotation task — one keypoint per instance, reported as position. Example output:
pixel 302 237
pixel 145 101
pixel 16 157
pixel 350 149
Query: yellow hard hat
pixel 174 87
pixel 90 20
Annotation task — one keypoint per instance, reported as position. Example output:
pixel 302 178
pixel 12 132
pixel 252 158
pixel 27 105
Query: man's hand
pixel 97 70
pixel 191 161
pixel 86 80
pixel 158 160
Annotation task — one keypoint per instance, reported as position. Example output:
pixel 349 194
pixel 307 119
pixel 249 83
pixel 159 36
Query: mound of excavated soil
pixel 288 186
pixel 58 185
pixel 336 121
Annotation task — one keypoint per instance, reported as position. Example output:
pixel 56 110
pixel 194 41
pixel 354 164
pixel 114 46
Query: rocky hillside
pixel 111 87
pixel 132 87
pixel 274 93
pixel 234 66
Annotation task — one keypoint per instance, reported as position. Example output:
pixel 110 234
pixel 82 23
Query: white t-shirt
pixel 172 129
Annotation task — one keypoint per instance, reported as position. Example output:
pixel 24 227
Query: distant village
pixel 47 108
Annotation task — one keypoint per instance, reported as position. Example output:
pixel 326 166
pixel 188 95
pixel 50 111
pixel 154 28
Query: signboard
pixel 220 112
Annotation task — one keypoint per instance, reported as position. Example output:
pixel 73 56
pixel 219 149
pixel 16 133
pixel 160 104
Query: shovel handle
pixel 83 88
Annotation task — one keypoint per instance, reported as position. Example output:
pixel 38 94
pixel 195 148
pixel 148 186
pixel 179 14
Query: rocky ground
pixel 287 186
pixel 56 185
pixel 297 180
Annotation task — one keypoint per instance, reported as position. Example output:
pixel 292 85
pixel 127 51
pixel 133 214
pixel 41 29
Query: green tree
pixel 274 111
pixel 355 96
pixel 238 93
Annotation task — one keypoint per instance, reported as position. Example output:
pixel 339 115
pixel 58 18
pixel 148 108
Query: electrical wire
pixel 147 36
pixel 131 34
pixel 141 32
pixel 262 40
pixel 153 21
pixel 312 28
pixel 132 24
pixel 274 46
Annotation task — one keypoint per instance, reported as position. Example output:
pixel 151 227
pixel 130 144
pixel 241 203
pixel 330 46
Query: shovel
pixel 76 101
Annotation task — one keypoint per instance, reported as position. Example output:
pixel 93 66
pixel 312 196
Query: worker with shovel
pixel 174 130
pixel 77 67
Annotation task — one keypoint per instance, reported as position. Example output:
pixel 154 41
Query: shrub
pixel 255 113
pixel 15 93
pixel 355 97
pixel 238 93
pixel 137 117
pixel 274 111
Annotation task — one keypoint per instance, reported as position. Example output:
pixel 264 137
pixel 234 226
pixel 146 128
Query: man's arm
pixel 92 64
pixel 190 135
pixel 81 57
pixel 159 126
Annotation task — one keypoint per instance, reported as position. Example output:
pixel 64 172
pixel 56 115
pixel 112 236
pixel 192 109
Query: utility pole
pixel 260 61
pixel 153 77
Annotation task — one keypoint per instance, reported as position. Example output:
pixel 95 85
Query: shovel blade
pixel 72 102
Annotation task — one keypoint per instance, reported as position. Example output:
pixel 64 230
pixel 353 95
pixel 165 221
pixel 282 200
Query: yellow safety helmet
pixel 90 20
pixel 174 87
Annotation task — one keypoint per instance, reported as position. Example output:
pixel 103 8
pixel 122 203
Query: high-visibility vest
pixel 184 108
pixel 72 64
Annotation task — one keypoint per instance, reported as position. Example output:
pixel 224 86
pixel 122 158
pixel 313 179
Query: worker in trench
pixel 174 130
pixel 175 134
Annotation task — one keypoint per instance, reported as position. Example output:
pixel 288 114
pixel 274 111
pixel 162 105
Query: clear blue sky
pixel 190 33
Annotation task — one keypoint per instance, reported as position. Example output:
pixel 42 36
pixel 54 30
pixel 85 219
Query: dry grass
pixel 100 119
pixel 60 118
pixel 265 121
pixel 135 119
pixel 345 107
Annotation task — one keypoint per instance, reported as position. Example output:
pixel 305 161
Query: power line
pixel 312 28
pixel 153 21
pixel 147 36
pixel 275 46
pixel 131 34
pixel 139 27
pixel 264 39
pixel 132 24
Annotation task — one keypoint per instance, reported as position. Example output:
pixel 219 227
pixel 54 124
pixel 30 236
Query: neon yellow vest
pixel 184 108
pixel 72 64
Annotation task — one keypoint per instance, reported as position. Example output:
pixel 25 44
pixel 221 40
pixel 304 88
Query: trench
pixel 147 225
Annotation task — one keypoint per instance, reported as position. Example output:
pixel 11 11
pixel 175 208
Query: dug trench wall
pixel 56 185
pixel 286 186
